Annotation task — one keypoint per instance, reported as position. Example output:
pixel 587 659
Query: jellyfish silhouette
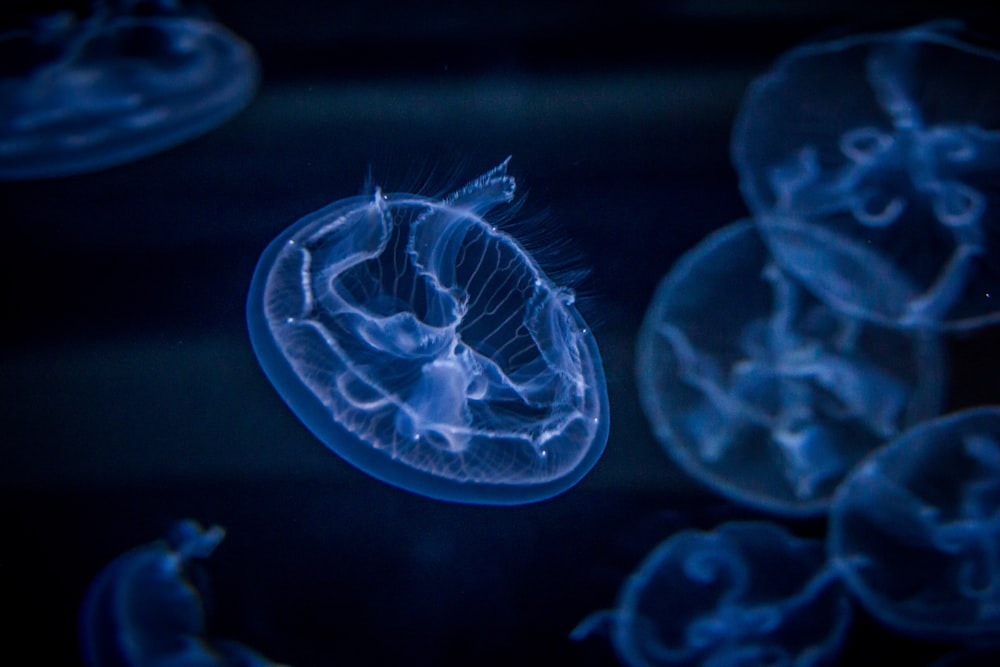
pixel 421 342
pixel 82 93
pixel 870 164
pixel 915 529
pixel 144 610
pixel 747 593
pixel 764 393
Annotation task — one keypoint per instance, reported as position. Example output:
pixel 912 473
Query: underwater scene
pixel 338 333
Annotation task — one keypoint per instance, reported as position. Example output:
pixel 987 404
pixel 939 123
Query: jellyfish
pixel 421 342
pixel 145 610
pixel 870 164
pixel 83 93
pixel 915 529
pixel 764 393
pixel 746 593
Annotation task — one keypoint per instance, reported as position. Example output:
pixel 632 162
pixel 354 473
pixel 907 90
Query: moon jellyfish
pixel 82 93
pixel 762 392
pixel 871 164
pixel 743 594
pixel 419 341
pixel 144 609
pixel 915 529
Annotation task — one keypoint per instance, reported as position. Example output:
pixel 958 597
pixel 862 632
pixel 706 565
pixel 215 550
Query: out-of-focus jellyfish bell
pixel 143 610
pixel 915 529
pixel 764 393
pixel 82 93
pixel 743 594
pixel 422 343
pixel 870 164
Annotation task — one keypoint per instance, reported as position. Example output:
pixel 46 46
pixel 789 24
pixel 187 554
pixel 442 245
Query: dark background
pixel 130 396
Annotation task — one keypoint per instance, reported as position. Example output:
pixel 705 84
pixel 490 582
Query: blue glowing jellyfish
pixel 915 529
pixel 143 610
pixel 764 393
pixel 871 165
pixel 82 93
pixel 420 342
pixel 743 594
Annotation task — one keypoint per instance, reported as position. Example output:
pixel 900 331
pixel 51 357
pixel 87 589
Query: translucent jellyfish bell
pixel 870 164
pixel 743 594
pixel 143 610
pixel 426 347
pixel 80 94
pixel 764 393
pixel 915 529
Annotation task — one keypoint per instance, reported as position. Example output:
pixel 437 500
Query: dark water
pixel 130 396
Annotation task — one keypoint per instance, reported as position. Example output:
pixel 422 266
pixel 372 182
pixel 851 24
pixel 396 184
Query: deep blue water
pixel 130 396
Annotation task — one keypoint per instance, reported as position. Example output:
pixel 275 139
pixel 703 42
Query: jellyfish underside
pixel 144 610
pixel 712 598
pixel 781 384
pixel 930 502
pixel 423 344
pixel 771 396
pixel 887 216
pixel 116 85
pixel 887 180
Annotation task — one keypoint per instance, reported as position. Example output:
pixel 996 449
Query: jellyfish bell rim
pixel 776 228
pixel 368 459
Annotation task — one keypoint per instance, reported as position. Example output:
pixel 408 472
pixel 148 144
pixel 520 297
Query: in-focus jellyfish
pixel 144 610
pixel 421 342
pixel 744 594
pixel 871 164
pixel 82 93
pixel 761 391
pixel 915 529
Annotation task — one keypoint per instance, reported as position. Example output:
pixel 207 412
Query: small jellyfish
pixel 915 529
pixel 144 610
pixel 82 93
pixel 871 163
pixel 424 345
pixel 764 393
pixel 744 594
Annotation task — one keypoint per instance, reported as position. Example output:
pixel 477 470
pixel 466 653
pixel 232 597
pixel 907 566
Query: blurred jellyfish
pixel 144 609
pixel 132 77
pixel 762 392
pixel 915 529
pixel 871 164
pixel 743 594
pixel 424 345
